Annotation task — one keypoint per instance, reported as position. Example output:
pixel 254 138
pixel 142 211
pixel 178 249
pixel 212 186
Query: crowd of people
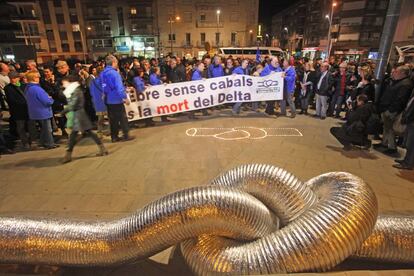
pixel 47 100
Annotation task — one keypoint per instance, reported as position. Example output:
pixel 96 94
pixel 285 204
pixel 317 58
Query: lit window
pixel 133 11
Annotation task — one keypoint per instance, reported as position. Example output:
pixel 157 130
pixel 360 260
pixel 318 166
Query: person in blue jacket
pixel 115 97
pixel 240 70
pixel 215 69
pixel 288 89
pixel 97 94
pixel 155 76
pixel 155 79
pixel 198 75
pixel 198 72
pixel 39 105
pixel 269 68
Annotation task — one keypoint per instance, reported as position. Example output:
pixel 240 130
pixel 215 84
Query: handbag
pixel 398 127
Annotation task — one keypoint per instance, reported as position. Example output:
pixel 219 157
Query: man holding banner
pixel 272 67
pixel 241 70
pixel 115 97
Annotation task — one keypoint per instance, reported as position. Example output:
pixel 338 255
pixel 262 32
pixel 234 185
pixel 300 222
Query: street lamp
pixel 218 33
pixel 287 37
pixel 171 21
pixel 330 18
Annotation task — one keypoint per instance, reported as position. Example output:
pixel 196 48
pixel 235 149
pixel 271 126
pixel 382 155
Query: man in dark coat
pixel 392 102
pixel 341 82
pixel 53 87
pixel 18 110
pixel 174 73
pixel 408 119
pixel 323 91
pixel 354 131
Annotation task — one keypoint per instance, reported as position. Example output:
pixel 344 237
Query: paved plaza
pixel 183 154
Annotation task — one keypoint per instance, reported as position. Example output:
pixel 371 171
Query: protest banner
pixel 180 97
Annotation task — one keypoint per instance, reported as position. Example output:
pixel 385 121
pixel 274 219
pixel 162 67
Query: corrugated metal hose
pixel 253 219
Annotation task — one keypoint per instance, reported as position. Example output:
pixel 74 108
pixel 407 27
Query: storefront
pixel 313 52
pixel 144 46
pixel 353 55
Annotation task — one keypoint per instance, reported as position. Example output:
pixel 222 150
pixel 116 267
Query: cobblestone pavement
pixel 169 157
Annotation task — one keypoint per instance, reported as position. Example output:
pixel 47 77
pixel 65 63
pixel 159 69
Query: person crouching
pixel 78 120
pixel 354 132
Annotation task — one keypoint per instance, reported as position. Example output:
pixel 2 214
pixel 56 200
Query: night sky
pixel 267 8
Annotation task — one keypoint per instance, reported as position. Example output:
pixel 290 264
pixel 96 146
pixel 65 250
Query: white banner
pixel 180 97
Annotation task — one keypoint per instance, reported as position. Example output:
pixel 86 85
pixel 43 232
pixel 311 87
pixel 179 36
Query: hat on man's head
pixel 14 75
pixel 61 63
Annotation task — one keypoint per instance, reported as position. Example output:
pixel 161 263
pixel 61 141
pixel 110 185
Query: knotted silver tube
pixel 230 226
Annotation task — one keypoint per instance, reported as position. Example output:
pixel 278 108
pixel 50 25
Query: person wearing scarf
pixel 78 120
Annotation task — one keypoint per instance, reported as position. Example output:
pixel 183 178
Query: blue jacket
pixel 197 75
pixel 139 84
pixel 240 71
pixel 38 102
pixel 290 78
pixel 113 87
pixel 95 88
pixel 215 71
pixel 268 69
pixel 154 79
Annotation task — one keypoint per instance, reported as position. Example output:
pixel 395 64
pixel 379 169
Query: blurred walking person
pixel 78 120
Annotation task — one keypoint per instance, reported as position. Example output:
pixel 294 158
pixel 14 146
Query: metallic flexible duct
pixel 176 217
pixel 320 238
pixel 224 229
pixel 281 191
pixel 391 241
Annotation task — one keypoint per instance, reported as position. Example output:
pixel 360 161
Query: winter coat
pixel 215 71
pixel 290 78
pixel 228 71
pixel 269 69
pixel 175 75
pixel 76 104
pixel 240 71
pixel 356 126
pixel 408 113
pixel 396 95
pixel 197 75
pixel 17 102
pixel 139 84
pixel 112 85
pixel 337 84
pixel 154 79
pixel 326 84
pixel 38 102
pixel 310 82
pixel 97 94
pixel 54 90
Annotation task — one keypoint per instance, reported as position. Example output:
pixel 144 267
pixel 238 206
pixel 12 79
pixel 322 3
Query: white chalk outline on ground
pixel 193 132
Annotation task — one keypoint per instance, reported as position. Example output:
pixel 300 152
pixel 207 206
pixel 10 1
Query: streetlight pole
pixel 83 41
pixel 287 37
pixel 177 18
pixel 330 18
pixel 218 21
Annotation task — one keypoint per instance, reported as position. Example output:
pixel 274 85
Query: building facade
pixel 193 28
pixel 8 31
pixel 85 29
pixel 55 28
pixel 123 27
pixel 355 27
